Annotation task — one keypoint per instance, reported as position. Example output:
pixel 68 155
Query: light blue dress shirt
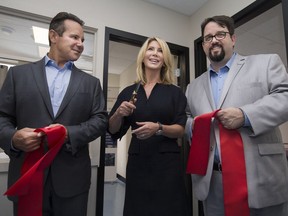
pixel 218 79
pixel 58 80
pixel 217 83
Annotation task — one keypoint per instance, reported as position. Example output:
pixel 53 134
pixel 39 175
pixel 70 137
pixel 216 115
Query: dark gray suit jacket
pixel 25 102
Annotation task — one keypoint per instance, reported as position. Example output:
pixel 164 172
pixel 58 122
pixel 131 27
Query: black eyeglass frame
pixel 218 36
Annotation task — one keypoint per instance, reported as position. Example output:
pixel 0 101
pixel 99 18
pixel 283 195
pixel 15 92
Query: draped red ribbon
pixel 200 144
pixel 29 187
pixel 232 160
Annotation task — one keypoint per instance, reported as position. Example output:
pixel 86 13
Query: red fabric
pixel 29 187
pixel 200 144
pixel 233 173
pixel 232 160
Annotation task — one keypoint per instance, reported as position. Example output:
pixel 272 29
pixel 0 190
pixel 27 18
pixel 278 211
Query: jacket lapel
pixel 239 61
pixel 41 82
pixel 208 90
pixel 73 86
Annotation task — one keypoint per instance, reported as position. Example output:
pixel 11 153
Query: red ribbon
pixel 232 160
pixel 233 173
pixel 200 144
pixel 29 187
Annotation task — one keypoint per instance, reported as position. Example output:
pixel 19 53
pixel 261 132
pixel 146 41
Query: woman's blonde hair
pixel 166 74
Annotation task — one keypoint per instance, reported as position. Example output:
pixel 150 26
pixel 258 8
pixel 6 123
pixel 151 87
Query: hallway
pixel 114 193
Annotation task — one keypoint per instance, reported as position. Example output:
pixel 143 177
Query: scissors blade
pixel 137 87
pixel 134 94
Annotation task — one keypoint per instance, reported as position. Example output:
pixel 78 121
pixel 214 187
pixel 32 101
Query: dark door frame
pixel 116 35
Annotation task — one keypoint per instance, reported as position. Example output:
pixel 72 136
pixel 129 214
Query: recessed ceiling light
pixel 7 30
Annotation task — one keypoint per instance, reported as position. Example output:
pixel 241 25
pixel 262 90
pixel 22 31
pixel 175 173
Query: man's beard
pixel 217 57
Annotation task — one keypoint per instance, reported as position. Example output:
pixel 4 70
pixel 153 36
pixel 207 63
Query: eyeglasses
pixel 219 36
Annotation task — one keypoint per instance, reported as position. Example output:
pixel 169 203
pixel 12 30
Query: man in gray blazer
pixel 252 95
pixel 46 93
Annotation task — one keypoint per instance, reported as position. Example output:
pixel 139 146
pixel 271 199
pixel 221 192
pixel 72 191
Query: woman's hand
pixel 146 129
pixel 125 109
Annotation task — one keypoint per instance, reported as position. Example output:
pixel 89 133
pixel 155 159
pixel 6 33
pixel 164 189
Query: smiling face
pixel 153 59
pixel 69 46
pixel 218 51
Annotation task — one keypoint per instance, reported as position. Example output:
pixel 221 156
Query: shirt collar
pixel 228 64
pixel 51 62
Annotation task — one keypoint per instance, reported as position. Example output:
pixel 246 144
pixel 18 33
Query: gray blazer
pixel 25 102
pixel 257 84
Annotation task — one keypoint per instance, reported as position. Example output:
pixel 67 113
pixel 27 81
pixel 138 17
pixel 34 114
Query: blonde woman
pixel 154 183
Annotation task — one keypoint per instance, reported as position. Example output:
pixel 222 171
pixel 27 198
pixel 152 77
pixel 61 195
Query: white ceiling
pixel 185 7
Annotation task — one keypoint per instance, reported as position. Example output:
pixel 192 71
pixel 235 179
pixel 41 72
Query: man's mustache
pixel 215 45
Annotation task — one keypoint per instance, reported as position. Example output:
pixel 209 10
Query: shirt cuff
pixel 246 120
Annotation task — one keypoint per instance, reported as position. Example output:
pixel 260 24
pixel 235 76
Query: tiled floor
pixel 114 193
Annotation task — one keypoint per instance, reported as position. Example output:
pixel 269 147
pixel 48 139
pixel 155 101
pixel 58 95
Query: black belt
pixel 217 167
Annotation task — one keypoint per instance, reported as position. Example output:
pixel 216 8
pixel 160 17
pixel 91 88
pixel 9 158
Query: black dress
pixel 154 176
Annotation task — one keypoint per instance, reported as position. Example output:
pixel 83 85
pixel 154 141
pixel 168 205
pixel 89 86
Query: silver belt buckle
pixel 220 167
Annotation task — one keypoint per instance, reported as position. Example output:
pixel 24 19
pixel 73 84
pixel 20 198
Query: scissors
pixel 133 98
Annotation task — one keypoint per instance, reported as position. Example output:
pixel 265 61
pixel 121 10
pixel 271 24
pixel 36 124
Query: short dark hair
pixel 57 23
pixel 222 20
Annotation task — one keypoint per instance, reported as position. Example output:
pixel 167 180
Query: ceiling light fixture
pixel 40 35
pixel 7 30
